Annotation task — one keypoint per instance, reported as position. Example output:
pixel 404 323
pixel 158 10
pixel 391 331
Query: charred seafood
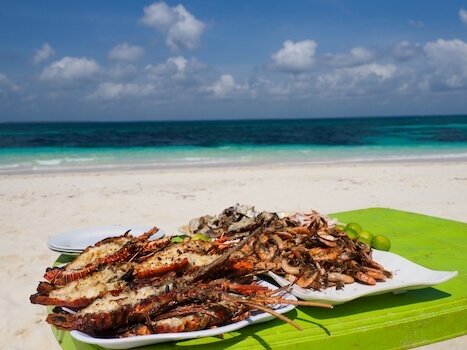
pixel 127 286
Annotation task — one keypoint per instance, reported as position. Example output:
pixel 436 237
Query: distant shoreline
pixel 196 167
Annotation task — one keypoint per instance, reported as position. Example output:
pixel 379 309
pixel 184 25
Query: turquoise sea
pixel 98 146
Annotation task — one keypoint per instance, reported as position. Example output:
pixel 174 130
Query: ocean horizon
pixel 44 147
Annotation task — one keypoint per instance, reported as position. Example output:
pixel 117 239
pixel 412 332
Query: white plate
pixel 66 252
pixel 76 241
pixel 131 342
pixel 406 276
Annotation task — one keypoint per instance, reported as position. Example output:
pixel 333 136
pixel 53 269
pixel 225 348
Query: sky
pixel 203 59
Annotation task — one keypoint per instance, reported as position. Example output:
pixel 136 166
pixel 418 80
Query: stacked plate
pixel 75 241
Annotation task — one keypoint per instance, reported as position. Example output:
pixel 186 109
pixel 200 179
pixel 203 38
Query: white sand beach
pixel 36 207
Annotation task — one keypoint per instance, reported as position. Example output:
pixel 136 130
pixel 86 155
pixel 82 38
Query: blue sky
pixel 142 60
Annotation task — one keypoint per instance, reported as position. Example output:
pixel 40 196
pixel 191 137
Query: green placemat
pixel 387 321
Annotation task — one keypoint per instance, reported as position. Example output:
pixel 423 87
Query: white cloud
pixel 42 54
pixel 113 91
pixel 383 72
pixel 449 61
pixel 178 78
pixel 180 62
pixel 295 57
pixel 6 86
pixel 173 65
pixel 447 52
pixel 182 29
pixel 356 56
pixel 122 71
pixel 259 86
pixel 178 70
pixel 416 23
pixel 463 15
pixel 4 80
pixel 404 51
pixel 223 86
pixel 70 69
pixel 159 15
pixel 226 87
pixel 125 52
pixel 366 75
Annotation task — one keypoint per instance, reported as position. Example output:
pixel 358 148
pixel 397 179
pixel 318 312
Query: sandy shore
pixel 36 207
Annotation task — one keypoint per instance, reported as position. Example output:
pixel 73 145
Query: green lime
pixel 365 237
pixel 381 243
pixel 200 237
pixel 354 226
pixel 178 239
pixel 351 233
pixel 340 227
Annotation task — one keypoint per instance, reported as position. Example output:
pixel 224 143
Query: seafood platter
pixel 221 273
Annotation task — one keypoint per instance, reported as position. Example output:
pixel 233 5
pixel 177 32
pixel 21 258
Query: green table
pixel 387 321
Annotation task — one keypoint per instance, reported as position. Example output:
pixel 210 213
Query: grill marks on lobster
pixel 81 292
pixel 127 286
pixel 106 252
pixel 135 307
pixel 191 317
